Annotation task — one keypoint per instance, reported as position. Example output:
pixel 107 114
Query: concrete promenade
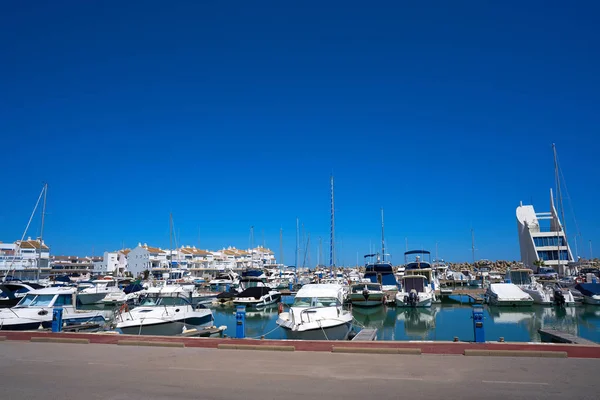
pixel 76 371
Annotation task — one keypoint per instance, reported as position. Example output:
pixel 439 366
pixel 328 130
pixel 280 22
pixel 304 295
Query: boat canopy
pixel 256 291
pixel 416 252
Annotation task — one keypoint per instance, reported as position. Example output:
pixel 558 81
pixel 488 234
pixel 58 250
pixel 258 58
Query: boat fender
pixel 280 308
pixel 124 308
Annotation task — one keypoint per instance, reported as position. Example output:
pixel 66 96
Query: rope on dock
pixel 265 334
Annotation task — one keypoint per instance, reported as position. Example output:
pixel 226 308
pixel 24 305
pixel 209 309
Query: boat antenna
pixel 332 233
pixel 281 247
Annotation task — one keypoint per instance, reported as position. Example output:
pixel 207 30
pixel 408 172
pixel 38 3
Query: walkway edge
pixel 149 343
pixel 375 350
pixel 58 340
pixel 254 347
pixel 516 353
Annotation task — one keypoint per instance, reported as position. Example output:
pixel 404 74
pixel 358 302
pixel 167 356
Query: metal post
pixel 240 321
pixel 57 314
pixel 478 329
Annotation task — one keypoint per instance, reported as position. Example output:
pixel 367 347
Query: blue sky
pixel 234 114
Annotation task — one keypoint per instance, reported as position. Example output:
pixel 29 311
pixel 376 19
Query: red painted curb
pixel 573 350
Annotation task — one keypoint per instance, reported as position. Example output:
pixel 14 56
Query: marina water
pixel 444 321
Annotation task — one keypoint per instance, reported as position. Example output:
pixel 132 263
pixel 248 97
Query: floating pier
pixel 366 335
pixel 556 336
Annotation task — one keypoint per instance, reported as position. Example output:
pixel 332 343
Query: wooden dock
pixel 366 335
pixel 474 294
pixel 556 336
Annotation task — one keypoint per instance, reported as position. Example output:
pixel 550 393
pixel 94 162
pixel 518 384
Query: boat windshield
pixel 315 302
pixel 32 300
pixel 163 301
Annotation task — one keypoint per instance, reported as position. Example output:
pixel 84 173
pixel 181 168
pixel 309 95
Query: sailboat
pixel 381 271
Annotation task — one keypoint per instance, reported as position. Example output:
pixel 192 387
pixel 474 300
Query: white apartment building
pixel 24 256
pixel 146 258
pixel 542 238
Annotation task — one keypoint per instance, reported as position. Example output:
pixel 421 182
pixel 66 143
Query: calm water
pixel 440 322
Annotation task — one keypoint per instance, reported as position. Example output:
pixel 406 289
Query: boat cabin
pixel 520 276
pixel 48 297
pixel 319 295
pixel 361 287
pixel 417 282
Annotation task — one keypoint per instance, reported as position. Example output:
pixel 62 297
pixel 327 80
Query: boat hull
pixel 594 300
pixel 371 300
pixel 338 332
pixel 166 328
pixel 254 303
pixel 421 303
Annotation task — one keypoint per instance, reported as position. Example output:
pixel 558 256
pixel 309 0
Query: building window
pixel 552 255
pixel 549 241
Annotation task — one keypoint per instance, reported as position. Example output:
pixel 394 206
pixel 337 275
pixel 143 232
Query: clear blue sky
pixel 234 114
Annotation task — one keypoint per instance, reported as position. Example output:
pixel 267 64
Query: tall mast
pixel 252 246
pixel 42 232
pixel 473 244
pixel 560 204
pixel 332 233
pixel 320 256
pixel 297 242
pixel 382 238
pixel 591 254
pixel 281 247
pixel 171 239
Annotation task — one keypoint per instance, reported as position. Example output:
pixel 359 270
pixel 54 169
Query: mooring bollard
pixel 240 322
pixel 57 320
pixel 478 331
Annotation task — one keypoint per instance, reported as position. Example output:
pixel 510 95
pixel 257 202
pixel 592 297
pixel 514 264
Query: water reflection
pixel 417 322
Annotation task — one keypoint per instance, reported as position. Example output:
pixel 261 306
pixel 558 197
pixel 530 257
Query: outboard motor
pixel 365 294
pixel 559 298
pixel 413 298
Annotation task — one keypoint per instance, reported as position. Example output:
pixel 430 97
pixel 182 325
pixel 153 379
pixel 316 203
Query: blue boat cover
pixel 588 289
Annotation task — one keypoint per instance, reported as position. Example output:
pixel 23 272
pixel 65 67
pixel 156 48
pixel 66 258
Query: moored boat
pixel 317 314
pixel 507 294
pixel 366 295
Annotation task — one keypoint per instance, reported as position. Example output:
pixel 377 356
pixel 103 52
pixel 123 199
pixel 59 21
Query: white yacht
pixel 36 308
pixel 224 279
pixel 95 291
pixel 256 294
pixel 415 291
pixel 507 294
pixel 366 295
pixel 317 314
pixel 164 310
pixel 548 295
pixel 590 292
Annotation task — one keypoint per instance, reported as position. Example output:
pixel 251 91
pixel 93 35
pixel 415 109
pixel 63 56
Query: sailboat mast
pixel 281 247
pixel 473 244
pixel 382 238
pixel 42 232
pixel 297 242
pixel 560 204
pixel 332 233
pixel 171 239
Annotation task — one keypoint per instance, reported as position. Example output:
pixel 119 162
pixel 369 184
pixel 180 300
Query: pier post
pixel 240 322
pixel 57 314
pixel 478 330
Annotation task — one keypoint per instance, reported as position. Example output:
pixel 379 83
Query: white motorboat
pixel 366 295
pixel 415 291
pixel 317 314
pixel 36 308
pixel 255 293
pixel 223 280
pixel 12 292
pixel 129 294
pixel 163 311
pixel 545 295
pixel 95 291
pixel 257 296
pixel 507 294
